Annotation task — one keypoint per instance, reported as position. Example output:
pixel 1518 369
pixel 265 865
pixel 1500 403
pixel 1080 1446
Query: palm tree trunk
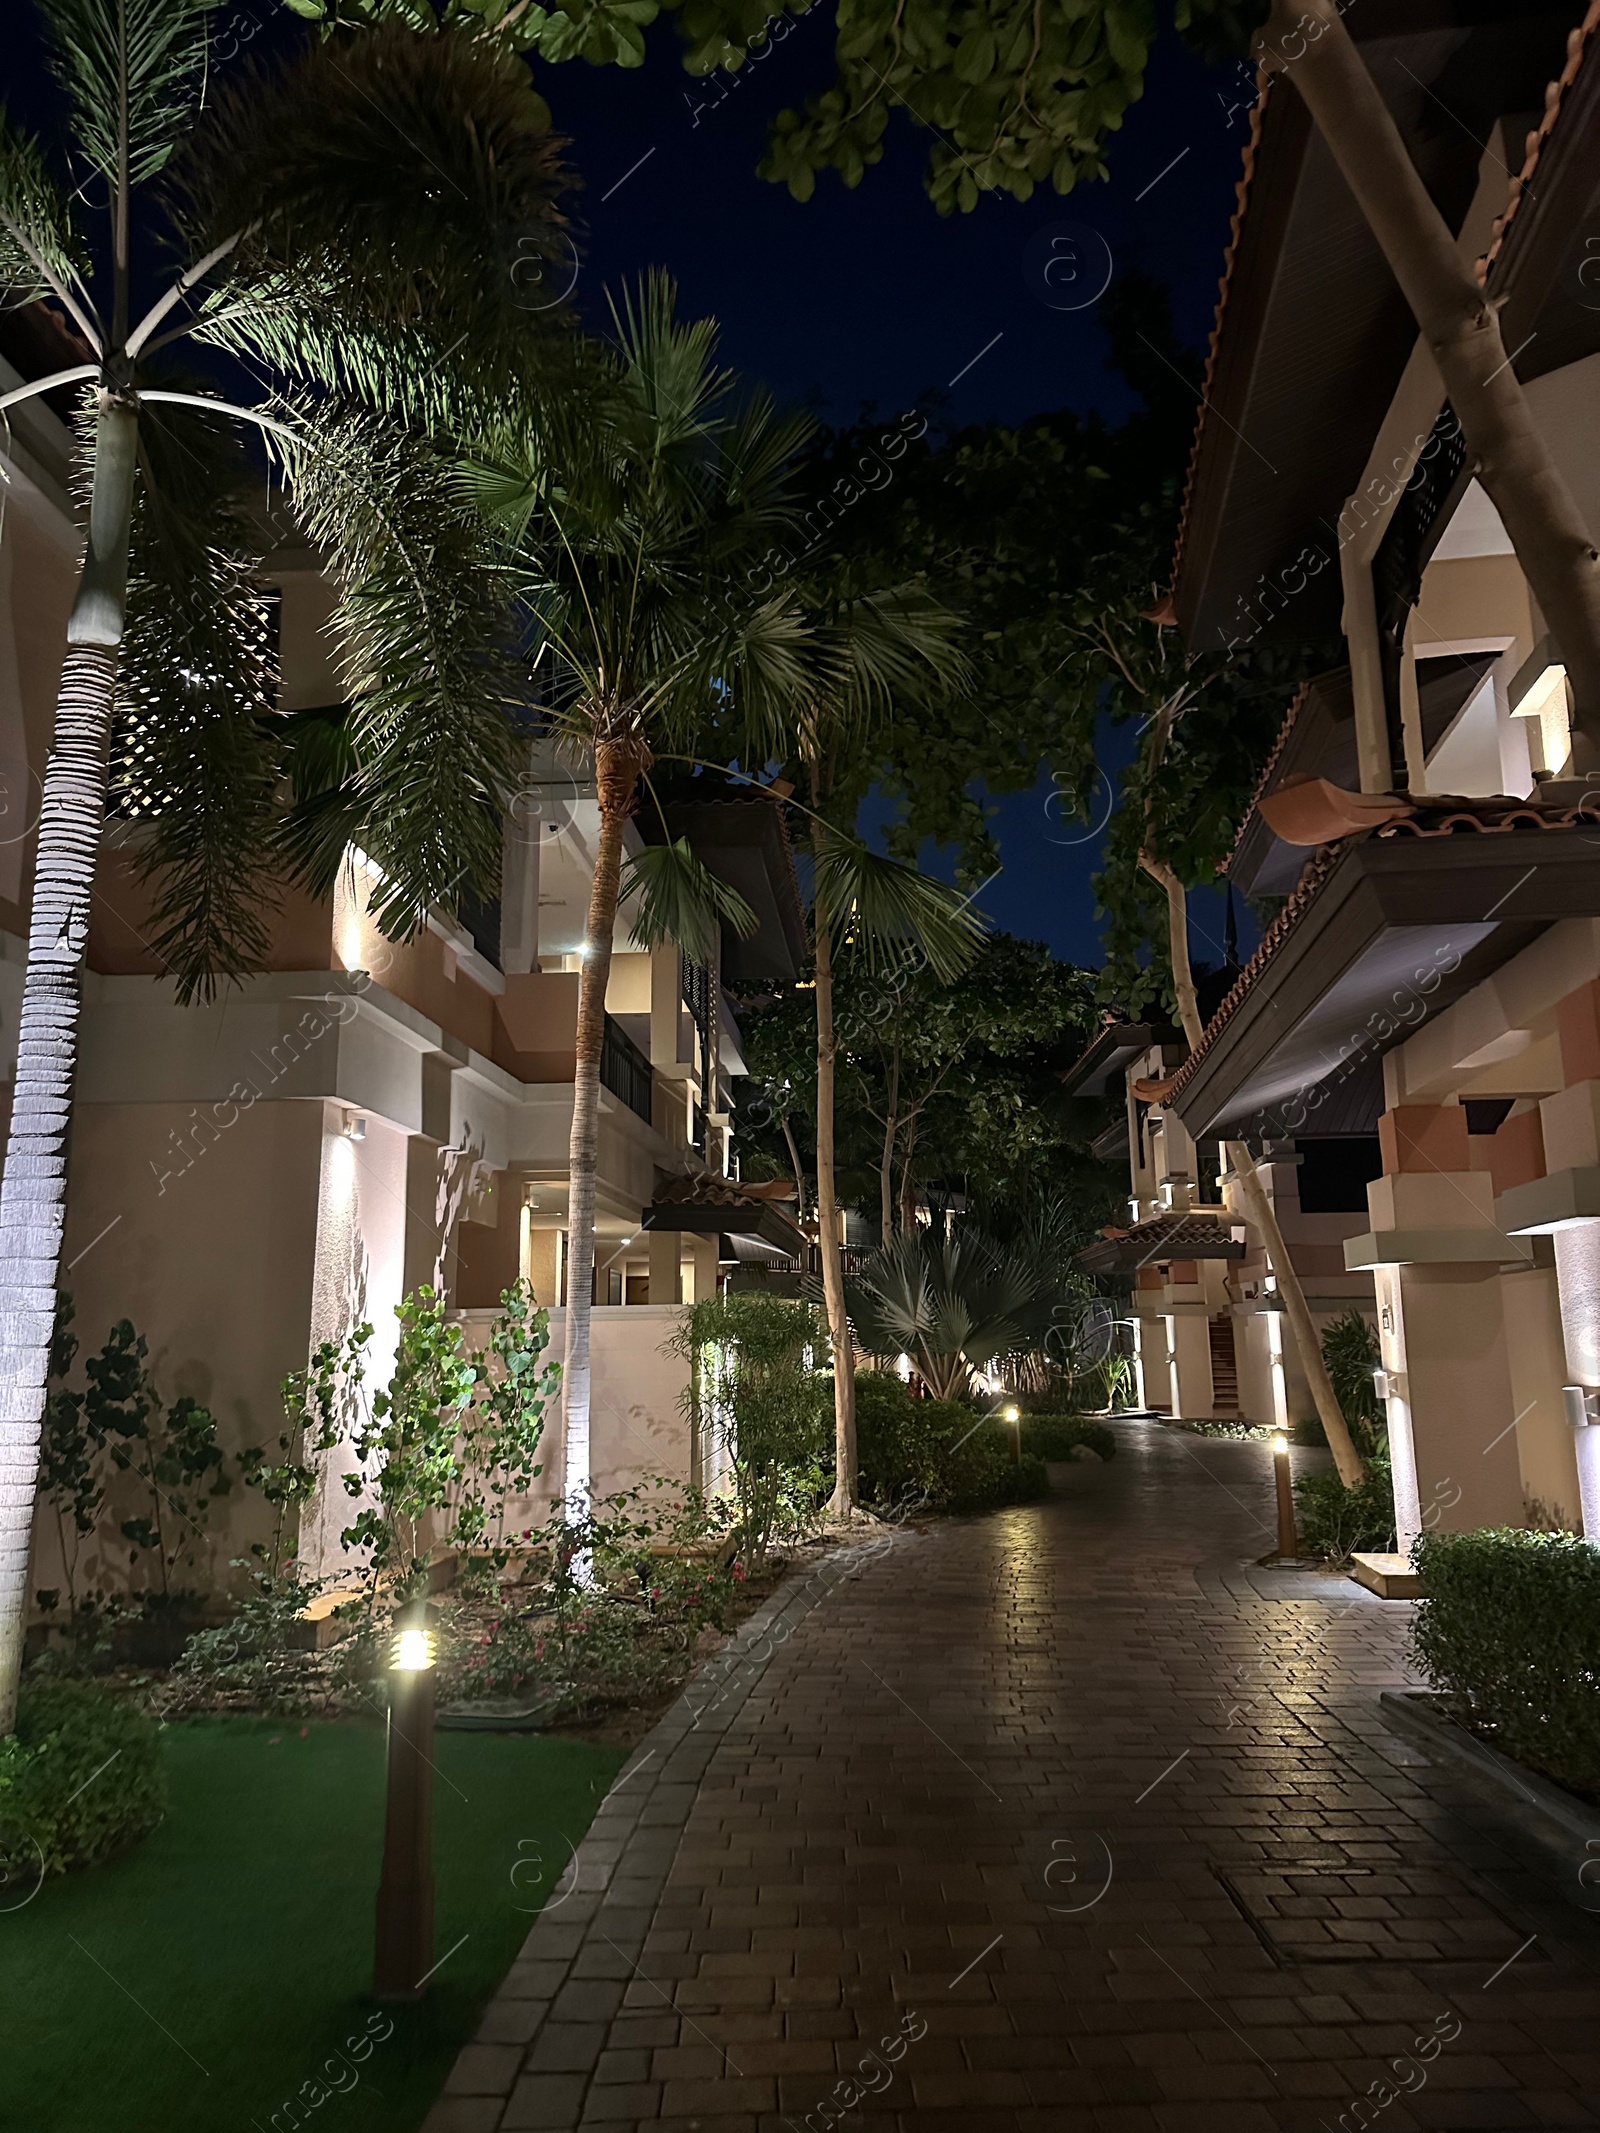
pixel 617 765
pixel 1240 1161
pixel 33 1190
pixel 1308 40
pixel 891 1133
pixel 844 1361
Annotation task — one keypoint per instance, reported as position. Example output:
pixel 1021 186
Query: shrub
pixel 260 1659
pixel 1053 1436
pixel 753 1383
pixel 1350 1350
pixel 1510 1631
pixel 80 1779
pixel 1334 1521
pixel 936 1451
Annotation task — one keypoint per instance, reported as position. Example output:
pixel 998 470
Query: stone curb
pixel 536 2049
pixel 1564 1827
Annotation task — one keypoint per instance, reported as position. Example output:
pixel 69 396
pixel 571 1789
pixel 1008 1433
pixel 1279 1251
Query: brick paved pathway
pixel 1062 1818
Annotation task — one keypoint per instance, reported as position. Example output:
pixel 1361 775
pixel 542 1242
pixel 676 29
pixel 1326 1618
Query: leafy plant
pixel 754 1388
pixel 1334 1520
pixel 80 1780
pixel 1510 1631
pixel 71 1478
pixel 1350 1350
pixel 937 1453
pixel 448 1442
pixel 258 1660
pixel 120 1426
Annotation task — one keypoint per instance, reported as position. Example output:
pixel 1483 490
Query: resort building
pixel 1423 850
pixel 250 1177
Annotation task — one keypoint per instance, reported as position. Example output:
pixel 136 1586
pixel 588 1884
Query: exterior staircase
pixel 1224 1367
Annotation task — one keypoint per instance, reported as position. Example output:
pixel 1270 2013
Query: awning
pixel 718 1207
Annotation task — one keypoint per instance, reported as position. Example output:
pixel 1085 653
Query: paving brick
pixel 838 1847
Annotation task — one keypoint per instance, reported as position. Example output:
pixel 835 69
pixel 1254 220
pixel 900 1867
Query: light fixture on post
pixel 1288 1538
pixel 404 1949
pixel 1012 1413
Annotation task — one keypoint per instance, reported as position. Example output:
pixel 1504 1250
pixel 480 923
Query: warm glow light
pixel 1280 1444
pixel 1012 1413
pixel 414 1651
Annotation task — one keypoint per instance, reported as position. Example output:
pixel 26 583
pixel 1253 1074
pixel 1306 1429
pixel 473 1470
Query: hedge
pixel 938 1450
pixel 80 1779
pixel 1510 1631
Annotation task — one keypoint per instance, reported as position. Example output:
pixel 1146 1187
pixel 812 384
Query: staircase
pixel 1224 1366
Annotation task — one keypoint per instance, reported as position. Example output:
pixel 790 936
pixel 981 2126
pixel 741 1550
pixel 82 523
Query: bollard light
pixel 403 1960
pixel 1288 1538
pixel 1012 1413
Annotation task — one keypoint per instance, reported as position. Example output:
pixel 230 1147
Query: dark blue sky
pixel 869 297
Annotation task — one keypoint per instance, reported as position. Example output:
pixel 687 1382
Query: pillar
pixel 666 1280
pixel 1436 1255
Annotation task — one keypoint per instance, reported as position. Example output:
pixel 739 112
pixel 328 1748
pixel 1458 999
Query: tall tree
pixel 347 271
pixel 627 530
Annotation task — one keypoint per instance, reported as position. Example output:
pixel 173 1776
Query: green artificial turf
pixel 203 1981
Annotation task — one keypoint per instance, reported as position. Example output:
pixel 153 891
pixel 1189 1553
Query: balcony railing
pixel 625 1071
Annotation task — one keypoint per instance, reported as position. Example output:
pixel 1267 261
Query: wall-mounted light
pixel 1539 689
pixel 1582 1404
pixel 354 1127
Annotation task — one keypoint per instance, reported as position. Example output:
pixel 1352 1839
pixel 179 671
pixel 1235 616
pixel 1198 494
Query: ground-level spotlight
pixel 403 1959
pixel 1288 1538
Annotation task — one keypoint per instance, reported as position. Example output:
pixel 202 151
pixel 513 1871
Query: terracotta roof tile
pixel 1579 44
pixel 1241 193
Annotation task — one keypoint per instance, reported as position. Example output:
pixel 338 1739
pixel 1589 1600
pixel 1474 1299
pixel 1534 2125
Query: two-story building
pixel 1426 865
pixel 250 1177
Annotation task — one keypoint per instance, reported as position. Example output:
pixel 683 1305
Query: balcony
pixel 625 1071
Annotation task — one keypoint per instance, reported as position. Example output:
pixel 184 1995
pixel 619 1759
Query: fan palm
pixel 338 226
pixel 952 1304
pixel 628 525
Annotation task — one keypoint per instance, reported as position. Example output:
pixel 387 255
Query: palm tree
pixel 952 1304
pixel 629 527
pixel 337 226
pixel 869 650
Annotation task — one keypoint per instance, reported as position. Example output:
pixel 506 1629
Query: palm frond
pixel 394 192
pixel 890 642
pixel 132 69
pixel 681 902
pixel 668 373
pixel 953 1304
pixel 881 905
pixel 197 744
pixel 422 624
pixel 36 225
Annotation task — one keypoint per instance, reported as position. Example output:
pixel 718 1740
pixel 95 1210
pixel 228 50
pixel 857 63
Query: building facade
pixel 1422 850
pixel 251 1177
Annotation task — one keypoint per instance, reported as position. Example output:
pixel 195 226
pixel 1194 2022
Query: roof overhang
pixel 1168 1237
pixel 1401 926
pixel 1111 1052
pixel 764 1224
pixel 1310 316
